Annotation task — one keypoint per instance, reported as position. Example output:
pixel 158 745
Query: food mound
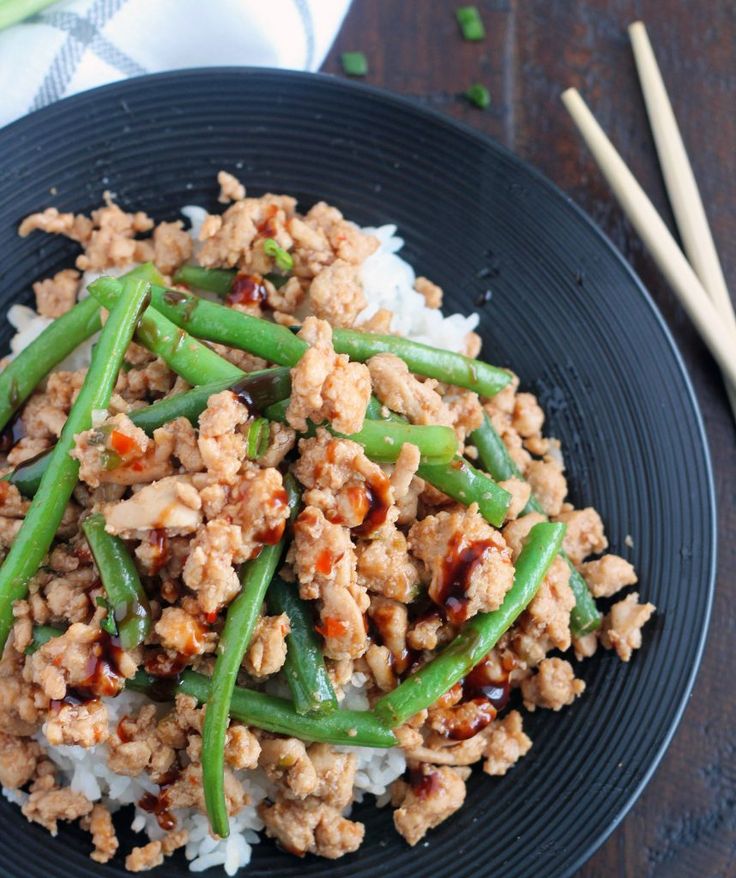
pixel 277 541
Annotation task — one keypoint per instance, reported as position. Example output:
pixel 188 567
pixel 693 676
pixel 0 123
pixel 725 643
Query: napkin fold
pixel 78 44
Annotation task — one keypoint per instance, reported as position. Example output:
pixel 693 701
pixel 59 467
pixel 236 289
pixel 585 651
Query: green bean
pixel 240 622
pixel 383 439
pixel 145 271
pixel 304 669
pixel 446 366
pixel 355 728
pixel 214 280
pixel 42 634
pixel 47 508
pixel 23 374
pixel 257 390
pixel 493 454
pixel 478 636
pixel 127 600
pixel 215 322
pixel 466 484
pixel 183 354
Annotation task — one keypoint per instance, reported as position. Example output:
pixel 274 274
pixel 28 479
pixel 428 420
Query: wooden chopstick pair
pixel 699 282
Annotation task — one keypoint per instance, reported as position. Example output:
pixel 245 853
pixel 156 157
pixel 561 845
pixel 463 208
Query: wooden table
pixel 685 822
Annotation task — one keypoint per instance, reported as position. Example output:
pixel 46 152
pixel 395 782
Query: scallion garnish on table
pixel 354 63
pixel 479 96
pixel 471 24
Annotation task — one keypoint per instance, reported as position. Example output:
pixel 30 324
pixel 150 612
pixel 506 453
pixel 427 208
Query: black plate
pixel 566 313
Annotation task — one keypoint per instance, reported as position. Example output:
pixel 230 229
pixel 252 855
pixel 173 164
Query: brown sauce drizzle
pixel 377 499
pixel 165 664
pixel 457 568
pixel 424 782
pixel 267 226
pixel 255 392
pixel 160 805
pixel 247 289
pixel 102 673
pixel 480 683
pixel 11 434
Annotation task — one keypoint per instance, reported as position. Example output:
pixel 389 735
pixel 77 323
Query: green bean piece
pixel 22 375
pixel 304 669
pixel 183 354
pixel 354 728
pixel 466 484
pixel 383 439
pixel 145 271
pixel 257 390
pixel 42 634
pixel 283 259
pixel 446 366
pixel 215 322
pixel 127 600
pixel 213 280
pixel 478 636
pixel 240 622
pixel 257 438
pixel 47 508
pixel 585 617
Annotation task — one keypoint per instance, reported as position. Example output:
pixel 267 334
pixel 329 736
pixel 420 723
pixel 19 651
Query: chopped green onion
pixel 479 96
pixel 108 623
pixel 471 24
pixel 258 436
pixel 282 258
pixel 354 63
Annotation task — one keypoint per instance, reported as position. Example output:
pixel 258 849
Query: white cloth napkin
pixel 77 44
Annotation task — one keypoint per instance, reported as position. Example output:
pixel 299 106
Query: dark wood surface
pixel 684 825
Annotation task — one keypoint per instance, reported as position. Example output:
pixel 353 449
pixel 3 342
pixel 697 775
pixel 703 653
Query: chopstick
pixel 720 338
pixel 682 189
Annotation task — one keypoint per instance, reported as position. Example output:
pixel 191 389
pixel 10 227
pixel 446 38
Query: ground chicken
pixel 402 392
pixel 585 646
pixel 323 554
pixel 507 743
pixel 528 417
pixel 82 724
pixel 65 661
pixel 549 612
pixel 57 295
pixel 622 626
pixel 150 856
pixel 435 794
pixel 341 481
pixel 209 567
pixel 554 686
pixel 222 443
pixel 584 534
pixel 267 650
pixel 465 410
pixel 341 621
pixel 326 385
pixel 439 538
pixel 172 246
pixel 231 189
pixel 286 763
pixel 608 575
pixel 171 504
pixel 548 485
pixel 18 760
pixel 320 830
pixel 431 292
pixel 520 491
pixel 386 567
pixel 336 294
pixel 48 804
pixel 99 823
pixel 183 633
pixel 516 532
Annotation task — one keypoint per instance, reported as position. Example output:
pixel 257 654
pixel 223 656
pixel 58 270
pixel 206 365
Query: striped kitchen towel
pixel 77 44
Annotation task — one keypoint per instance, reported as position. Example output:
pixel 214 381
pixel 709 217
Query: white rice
pixel 388 282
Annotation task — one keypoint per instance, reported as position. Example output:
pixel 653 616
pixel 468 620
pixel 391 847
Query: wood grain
pixel 684 825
